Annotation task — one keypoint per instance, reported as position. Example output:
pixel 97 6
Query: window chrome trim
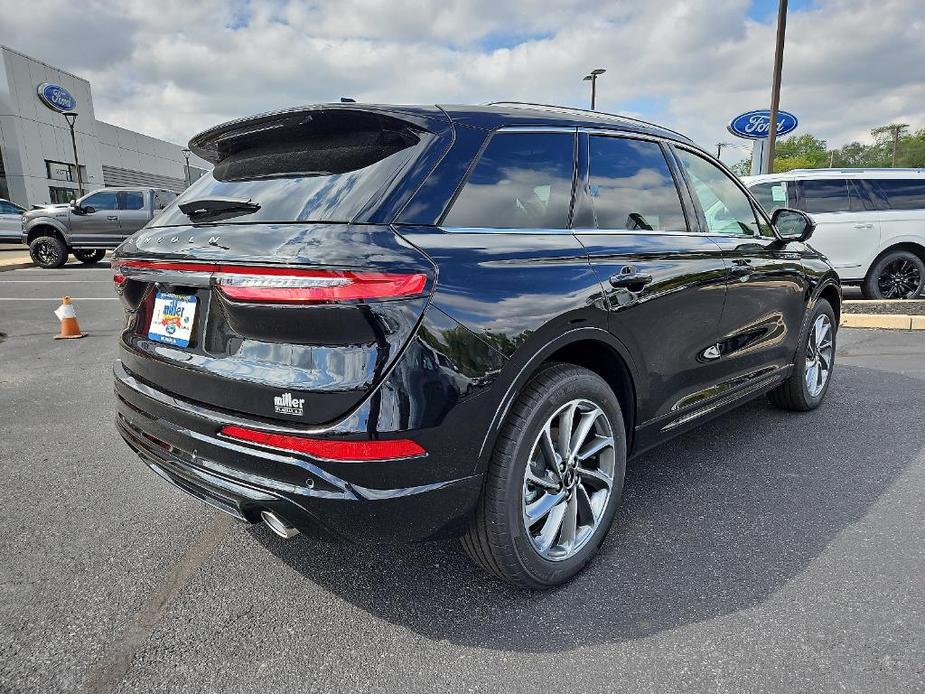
pixel 535 129
pixel 506 230
pixel 646 232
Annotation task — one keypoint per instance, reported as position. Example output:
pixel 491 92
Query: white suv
pixel 870 222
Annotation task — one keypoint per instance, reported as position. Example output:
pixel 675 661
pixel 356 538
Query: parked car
pixel 98 221
pixel 10 221
pixel 871 223
pixel 403 323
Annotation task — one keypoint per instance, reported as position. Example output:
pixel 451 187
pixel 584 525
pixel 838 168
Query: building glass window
pixel 4 191
pixel 60 196
pixel 62 171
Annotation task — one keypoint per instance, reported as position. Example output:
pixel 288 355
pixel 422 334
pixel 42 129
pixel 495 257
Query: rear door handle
pixel 630 278
pixel 112 219
pixel 863 226
pixel 741 267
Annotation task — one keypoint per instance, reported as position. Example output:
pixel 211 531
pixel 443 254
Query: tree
pixel 800 152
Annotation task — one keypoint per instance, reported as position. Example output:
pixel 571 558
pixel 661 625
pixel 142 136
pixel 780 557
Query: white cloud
pixel 173 67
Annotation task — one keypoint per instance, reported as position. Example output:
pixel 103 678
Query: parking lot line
pixel 58 298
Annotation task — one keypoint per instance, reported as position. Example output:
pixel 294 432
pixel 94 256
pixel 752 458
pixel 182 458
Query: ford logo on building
pixel 754 125
pixel 56 97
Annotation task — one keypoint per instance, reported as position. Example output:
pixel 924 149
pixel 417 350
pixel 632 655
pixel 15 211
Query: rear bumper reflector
pixel 279 284
pixel 328 449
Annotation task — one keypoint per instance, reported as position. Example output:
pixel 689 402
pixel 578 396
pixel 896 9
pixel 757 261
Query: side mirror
pixel 792 225
pixel 88 210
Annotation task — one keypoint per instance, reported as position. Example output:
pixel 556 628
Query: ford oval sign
pixel 56 97
pixel 754 125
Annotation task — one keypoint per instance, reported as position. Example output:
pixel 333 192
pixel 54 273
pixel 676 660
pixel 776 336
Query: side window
pixel 770 195
pixel 826 195
pixel 632 186
pixel 522 181
pixel 903 194
pixel 726 207
pixel 101 201
pixel 131 200
pixel 6 208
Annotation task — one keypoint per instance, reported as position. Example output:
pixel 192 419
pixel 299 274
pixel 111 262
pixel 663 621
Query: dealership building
pixel 37 153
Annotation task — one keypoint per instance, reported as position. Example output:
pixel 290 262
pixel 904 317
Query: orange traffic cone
pixel 68 317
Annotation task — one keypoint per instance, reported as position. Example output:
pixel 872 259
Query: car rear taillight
pixel 328 449
pixel 314 286
pixel 264 284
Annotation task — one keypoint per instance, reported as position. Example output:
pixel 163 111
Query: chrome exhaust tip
pixel 278 525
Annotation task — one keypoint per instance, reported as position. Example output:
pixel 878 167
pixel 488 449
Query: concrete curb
pixel 885 321
pixel 16 266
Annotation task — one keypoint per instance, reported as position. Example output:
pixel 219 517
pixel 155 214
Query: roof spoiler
pixel 213 144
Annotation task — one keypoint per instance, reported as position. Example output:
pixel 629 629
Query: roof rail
pixel 584 111
pixel 858 169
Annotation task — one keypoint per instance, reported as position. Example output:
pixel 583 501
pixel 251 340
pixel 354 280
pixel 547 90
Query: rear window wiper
pixel 214 207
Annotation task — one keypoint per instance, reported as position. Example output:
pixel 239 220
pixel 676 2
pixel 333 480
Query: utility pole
pixel 592 77
pixel 71 118
pixel 186 171
pixel 719 147
pixel 895 130
pixel 775 84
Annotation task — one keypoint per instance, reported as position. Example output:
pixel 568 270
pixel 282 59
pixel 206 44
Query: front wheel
pixel 89 255
pixel 807 385
pixel 554 481
pixel 897 275
pixel 48 252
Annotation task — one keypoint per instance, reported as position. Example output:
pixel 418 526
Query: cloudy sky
pixel 170 68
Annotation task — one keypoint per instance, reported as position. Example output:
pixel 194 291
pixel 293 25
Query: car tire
pixel 500 538
pixel 88 256
pixel 897 275
pixel 814 365
pixel 48 252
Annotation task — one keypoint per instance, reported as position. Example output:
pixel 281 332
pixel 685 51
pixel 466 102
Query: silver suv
pixel 87 227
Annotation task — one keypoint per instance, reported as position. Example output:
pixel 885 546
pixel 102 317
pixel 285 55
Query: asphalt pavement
pixel 764 552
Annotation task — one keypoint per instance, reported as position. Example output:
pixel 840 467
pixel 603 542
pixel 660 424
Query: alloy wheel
pixel 568 479
pixel 45 252
pixel 819 352
pixel 900 279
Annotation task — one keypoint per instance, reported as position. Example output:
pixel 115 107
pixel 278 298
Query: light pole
pixel 775 85
pixel 592 77
pixel 186 175
pixel 71 118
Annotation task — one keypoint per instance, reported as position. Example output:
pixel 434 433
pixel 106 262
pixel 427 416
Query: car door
pixel 847 227
pixel 900 204
pixel 96 223
pixel 664 281
pixel 766 288
pixel 133 211
pixel 10 221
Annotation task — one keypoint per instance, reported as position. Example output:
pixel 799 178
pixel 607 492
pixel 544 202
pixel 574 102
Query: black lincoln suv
pixel 411 322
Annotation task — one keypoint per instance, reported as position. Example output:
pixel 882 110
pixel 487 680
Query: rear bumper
pixel 179 442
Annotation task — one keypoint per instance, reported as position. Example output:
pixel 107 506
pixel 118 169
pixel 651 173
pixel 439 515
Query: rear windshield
pixel 323 169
